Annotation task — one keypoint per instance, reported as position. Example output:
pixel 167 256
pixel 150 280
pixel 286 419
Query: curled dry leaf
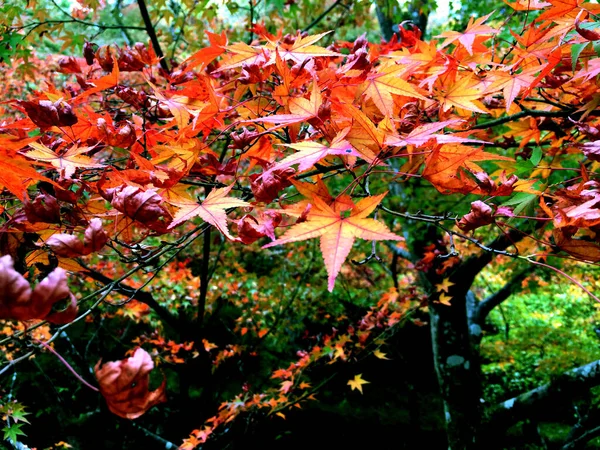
pixel 592 150
pixel 95 237
pixel 480 215
pixel 266 187
pixel 143 206
pixel 44 208
pixel 124 385
pixel 69 64
pixel 70 246
pixel 19 302
pixel 45 113
pixel 251 228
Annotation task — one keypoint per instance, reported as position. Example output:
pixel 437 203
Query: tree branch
pixel 580 441
pixel 488 304
pixel 520 115
pixel 475 264
pixel 322 15
pixel 568 385
pixel 152 34
pixel 140 296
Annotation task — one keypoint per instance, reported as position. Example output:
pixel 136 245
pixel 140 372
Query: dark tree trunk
pixel 457 367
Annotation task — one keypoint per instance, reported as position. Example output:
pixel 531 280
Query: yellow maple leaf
pixel 357 383
pixel 445 299
pixel 444 285
pixel 66 162
pixel 379 354
pixel 212 209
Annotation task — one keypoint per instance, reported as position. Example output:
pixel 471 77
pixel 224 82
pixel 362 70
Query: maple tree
pixel 446 156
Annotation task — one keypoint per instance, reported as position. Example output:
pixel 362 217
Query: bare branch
pixel 489 303
pixel 152 34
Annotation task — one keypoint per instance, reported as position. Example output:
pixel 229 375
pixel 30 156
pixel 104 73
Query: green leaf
pixel 576 50
pixel 13 432
pixel 536 156
pixel 521 201
pixel 18 413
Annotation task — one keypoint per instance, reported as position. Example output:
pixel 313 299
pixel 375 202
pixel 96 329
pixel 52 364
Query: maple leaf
pixel 423 133
pixel 465 94
pixel 240 53
pixel 337 232
pixel 211 210
pixel 301 109
pixel 310 152
pixel 445 166
pixel 380 355
pixel 69 246
pixel 105 82
pixel 527 5
pixel 18 301
pixel 479 216
pixel 66 162
pixel 381 84
pixel 357 383
pixel 560 8
pixel 206 55
pixel 14 176
pixel 45 113
pixel 444 285
pixel 466 38
pixel 444 299
pixel 301 49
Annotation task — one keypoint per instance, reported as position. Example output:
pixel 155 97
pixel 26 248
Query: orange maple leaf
pixel 380 86
pixel 105 82
pixel 446 165
pixel 338 232
pixel 15 175
pixel 465 94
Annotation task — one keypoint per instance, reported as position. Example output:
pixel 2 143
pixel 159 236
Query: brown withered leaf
pixel 124 385
pixel 45 113
pixel 44 208
pixel 479 216
pixel 67 245
pixel 142 206
pixel 50 291
pixel 19 302
pixel 95 237
pixel 267 186
pixel 578 248
pixel 13 286
pixel 69 64
pixel 251 228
